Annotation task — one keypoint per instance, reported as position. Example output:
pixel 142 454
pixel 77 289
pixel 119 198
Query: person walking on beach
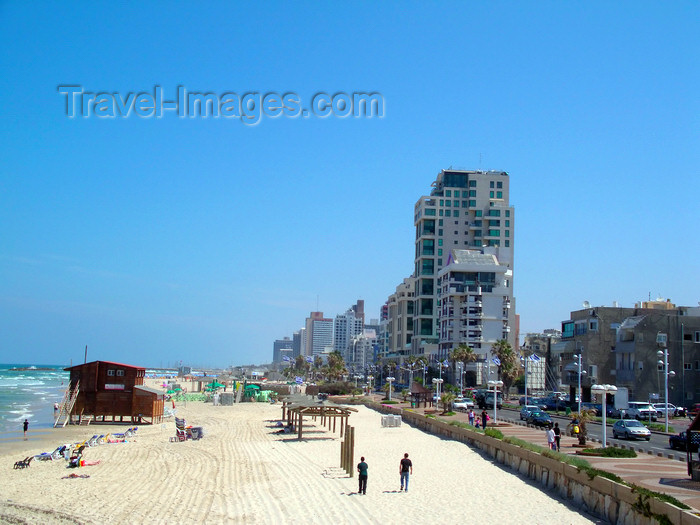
pixel 405 468
pixel 557 436
pixel 471 416
pixel 26 426
pixel 362 470
pixel 484 417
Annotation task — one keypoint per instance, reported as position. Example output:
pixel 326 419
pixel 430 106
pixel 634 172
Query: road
pixel 657 444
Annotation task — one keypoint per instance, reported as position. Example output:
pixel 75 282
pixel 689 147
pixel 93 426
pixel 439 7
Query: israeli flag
pixel 496 361
pixel 445 362
pixel 309 359
pixel 286 358
pixel 534 357
pixel 298 380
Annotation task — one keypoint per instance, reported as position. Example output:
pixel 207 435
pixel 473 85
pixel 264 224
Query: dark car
pixel 540 419
pixel 678 442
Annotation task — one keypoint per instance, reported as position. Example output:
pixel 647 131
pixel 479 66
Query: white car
pixel 463 404
pixel 661 409
pixel 527 410
pixel 641 410
pixel 630 428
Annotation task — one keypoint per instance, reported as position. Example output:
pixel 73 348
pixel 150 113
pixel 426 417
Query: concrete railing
pixel 601 497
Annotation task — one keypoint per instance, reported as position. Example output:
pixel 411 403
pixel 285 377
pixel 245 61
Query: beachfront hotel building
pixel 282 348
pixel 346 326
pixel 319 334
pixel 474 298
pixel 466 210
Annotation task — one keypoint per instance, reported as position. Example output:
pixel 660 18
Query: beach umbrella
pixel 216 384
pixel 170 392
pixel 178 389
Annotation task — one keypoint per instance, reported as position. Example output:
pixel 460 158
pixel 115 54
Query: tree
pixel 582 418
pixel 446 399
pixel 462 354
pixel 509 363
pixel 336 365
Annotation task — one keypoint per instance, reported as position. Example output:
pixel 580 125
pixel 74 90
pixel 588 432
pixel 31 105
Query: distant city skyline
pixel 203 240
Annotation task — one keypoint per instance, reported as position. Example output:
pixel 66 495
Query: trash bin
pixel 568 411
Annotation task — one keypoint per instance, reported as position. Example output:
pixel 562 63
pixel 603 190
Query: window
pixel 477 213
pixel 456 232
pixel 440 250
pixel 110 372
pixel 448 193
pixel 697 365
pixel 494 222
pixel 439 222
pixel 464 204
pixel 448 203
pixel 491 184
pixel 507 213
pixel 507 233
pixel 442 202
pixel 448 213
pixel 472 193
pixel 494 213
pixel 472 184
pixel 499 184
pixel 499 194
pixel 687 366
pixel 491 193
pixel 477 233
pixel 507 244
pixel 494 233
pixel 456 213
pixel 440 241
pixel 507 224
pixel 440 261
pixel 472 204
pixel 697 337
pixel 456 242
pixel 441 212
pixel 430 211
pixel 120 373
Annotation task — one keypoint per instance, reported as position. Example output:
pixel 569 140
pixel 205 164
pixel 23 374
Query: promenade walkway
pixel 659 474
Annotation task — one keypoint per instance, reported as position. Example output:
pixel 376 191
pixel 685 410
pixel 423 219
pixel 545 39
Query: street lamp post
pixel 604 389
pixel 437 382
pixel 579 356
pixel 391 380
pixel 495 385
pixel 661 341
pixel 369 388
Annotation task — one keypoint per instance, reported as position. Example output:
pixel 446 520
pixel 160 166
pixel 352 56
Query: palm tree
pixel 582 417
pixel 462 354
pixel 509 363
pixel 446 399
pixel 336 365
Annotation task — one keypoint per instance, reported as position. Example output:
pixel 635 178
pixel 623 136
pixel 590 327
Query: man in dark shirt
pixel 557 436
pixel 362 470
pixel 405 468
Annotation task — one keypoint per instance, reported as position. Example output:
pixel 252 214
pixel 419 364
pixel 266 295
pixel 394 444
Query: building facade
pixel 474 295
pixel 465 210
pixel 346 326
pixel 620 346
pixel 281 348
pixel 319 334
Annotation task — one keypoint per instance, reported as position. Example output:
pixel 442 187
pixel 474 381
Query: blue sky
pixel 154 240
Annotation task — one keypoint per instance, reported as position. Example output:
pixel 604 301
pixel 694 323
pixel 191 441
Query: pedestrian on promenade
pixel 551 442
pixel 484 418
pixel 557 436
pixel 471 416
pixel 362 470
pixel 405 468
pixel 26 426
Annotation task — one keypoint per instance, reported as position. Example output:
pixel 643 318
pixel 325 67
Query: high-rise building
pixel 319 334
pixel 475 293
pixel 281 348
pixel 346 326
pixel 400 319
pixel 296 343
pixel 465 210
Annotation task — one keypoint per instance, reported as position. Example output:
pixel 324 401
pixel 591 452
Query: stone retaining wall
pixel 599 496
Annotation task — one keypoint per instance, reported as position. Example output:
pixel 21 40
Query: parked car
pixel 641 410
pixel 526 410
pixel 673 410
pixel 554 403
pixel 611 411
pixel 540 419
pixel 678 442
pixel 540 402
pixel 462 404
pixel 630 428
pixel 597 407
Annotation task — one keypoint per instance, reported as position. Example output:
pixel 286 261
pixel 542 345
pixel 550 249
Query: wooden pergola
pixel 296 407
pixel 420 394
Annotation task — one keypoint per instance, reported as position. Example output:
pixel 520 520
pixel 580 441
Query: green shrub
pixel 494 433
pixel 611 452
pixel 660 427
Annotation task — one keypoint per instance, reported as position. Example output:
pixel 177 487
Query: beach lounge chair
pixel 92 442
pixel 23 463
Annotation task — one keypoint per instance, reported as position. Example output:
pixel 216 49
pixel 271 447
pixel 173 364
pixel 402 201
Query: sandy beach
pixel 245 472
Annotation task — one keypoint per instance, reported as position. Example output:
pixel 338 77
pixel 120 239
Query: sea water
pixel 29 392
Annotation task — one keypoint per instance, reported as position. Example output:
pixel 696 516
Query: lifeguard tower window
pixel 110 372
pixel 120 373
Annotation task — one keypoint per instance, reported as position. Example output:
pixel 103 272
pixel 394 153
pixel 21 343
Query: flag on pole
pixel 534 357
pixel 286 358
pixel 496 361
pixel 445 362
pixel 309 359
pixel 298 380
